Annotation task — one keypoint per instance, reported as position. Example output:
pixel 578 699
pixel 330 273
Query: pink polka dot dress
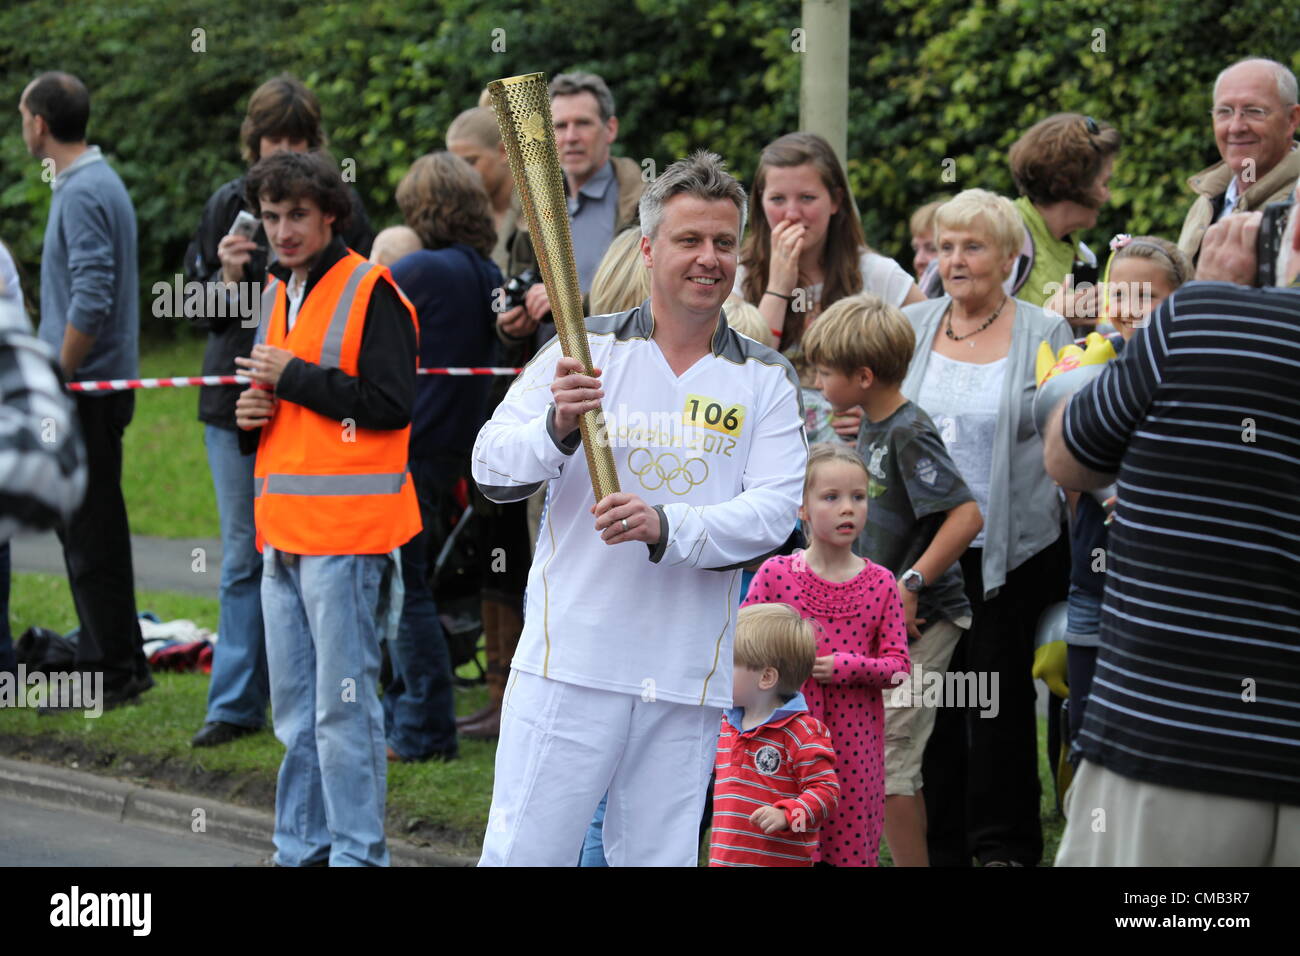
pixel 862 625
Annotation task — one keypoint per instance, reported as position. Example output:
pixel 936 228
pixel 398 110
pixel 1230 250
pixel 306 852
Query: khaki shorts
pixel 1115 820
pixel 908 724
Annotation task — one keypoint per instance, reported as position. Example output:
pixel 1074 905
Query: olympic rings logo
pixel 668 470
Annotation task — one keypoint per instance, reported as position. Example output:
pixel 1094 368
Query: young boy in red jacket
pixel 776 780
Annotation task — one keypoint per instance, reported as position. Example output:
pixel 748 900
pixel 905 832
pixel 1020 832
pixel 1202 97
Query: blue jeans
pixel 419 706
pixel 239 689
pixel 1083 615
pixel 322 646
pixel 746 579
pixel 593 845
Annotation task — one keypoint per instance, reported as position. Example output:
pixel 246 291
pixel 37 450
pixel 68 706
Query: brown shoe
pixel 489 728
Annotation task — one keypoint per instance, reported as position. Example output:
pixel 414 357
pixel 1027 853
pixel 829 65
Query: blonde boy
pixel 776 780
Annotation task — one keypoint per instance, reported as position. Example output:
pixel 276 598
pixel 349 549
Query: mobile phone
pixel 245 225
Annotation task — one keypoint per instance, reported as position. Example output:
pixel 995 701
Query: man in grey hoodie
pixel 90 317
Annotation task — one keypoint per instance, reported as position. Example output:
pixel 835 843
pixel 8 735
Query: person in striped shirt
pixel 1190 741
pixel 42 457
pixel 776 782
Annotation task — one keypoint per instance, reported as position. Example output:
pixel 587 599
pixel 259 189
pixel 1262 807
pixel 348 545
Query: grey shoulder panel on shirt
pixel 734 347
pixel 638 323
pixel 635 323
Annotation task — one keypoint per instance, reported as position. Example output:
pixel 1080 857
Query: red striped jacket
pixel 787 762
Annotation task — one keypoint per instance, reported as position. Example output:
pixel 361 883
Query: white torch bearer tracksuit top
pixel 719 452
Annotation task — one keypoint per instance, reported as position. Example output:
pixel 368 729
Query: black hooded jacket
pixel 227 336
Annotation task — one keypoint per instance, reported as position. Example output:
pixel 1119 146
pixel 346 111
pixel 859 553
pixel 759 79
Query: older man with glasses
pixel 1255 117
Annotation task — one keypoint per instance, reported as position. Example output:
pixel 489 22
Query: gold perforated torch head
pixel 523 110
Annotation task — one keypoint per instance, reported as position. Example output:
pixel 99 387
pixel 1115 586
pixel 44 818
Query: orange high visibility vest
pixel 322 486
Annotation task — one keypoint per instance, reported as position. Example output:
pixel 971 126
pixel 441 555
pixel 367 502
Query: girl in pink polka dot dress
pixel 862 644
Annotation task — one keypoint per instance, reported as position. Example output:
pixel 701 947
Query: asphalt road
pixel 35 835
pixel 160 564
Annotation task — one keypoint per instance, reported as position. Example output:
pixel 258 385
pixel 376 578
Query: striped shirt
pixel 1198 677
pixel 42 460
pixel 786 761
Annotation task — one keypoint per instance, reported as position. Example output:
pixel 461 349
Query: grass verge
pixel 446 804
pixel 165 477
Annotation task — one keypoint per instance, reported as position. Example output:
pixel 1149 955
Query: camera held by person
pixel 517 288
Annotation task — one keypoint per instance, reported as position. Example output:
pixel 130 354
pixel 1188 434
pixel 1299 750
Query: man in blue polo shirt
pixel 603 190
pixel 90 317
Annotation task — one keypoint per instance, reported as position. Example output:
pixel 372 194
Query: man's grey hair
pixel 1286 82
pixel 571 84
pixel 703 175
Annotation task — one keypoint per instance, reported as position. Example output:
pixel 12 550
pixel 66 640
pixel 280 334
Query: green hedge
pixel 930 79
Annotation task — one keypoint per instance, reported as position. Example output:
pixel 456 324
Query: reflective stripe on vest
pixel 389 484
pixel 268 309
pixel 331 351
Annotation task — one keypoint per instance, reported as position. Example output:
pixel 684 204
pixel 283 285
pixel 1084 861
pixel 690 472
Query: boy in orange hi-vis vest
pixel 333 385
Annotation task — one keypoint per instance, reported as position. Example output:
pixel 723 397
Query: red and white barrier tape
pixel 123 384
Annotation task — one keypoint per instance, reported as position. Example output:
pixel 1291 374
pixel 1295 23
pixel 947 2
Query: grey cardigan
pixel 1012 535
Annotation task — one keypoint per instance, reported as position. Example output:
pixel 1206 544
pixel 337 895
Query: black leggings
pixel 981 773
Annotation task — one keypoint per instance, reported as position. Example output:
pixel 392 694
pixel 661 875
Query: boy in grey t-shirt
pixel 920 518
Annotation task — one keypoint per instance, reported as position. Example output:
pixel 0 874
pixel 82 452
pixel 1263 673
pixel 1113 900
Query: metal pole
pixel 824 76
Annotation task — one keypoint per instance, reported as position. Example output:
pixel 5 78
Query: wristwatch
pixel 913 580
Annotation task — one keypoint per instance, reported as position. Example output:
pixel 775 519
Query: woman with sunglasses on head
pixel 1061 167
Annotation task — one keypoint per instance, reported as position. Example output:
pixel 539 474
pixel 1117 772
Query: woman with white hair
pixel 973 374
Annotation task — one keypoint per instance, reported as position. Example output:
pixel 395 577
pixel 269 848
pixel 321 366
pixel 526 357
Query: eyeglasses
pixel 1251 114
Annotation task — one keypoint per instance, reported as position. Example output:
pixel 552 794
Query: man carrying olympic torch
pixel 625 662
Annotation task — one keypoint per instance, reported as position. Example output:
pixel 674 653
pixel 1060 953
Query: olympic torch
pixel 523 109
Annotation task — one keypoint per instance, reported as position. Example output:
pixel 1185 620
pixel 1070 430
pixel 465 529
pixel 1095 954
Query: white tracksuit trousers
pixel 563 746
